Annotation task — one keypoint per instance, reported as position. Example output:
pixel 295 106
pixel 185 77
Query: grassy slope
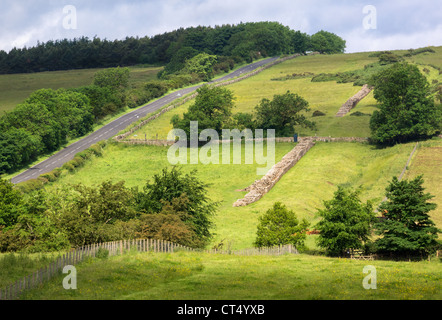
pixel 427 161
pixel 193 276
pixel 314 179
pixel 302 189
pixel 14 89
pixel 327 97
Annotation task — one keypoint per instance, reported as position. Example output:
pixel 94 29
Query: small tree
pixel 346 223
pixel 327 42
pixel 282 113
pixel 406 227
pixel 202 65
pixel 280 226
pixel 212 110
pixel 114 78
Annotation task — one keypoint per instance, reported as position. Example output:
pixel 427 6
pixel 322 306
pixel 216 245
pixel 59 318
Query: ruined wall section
pixel 353 101
pixel 257 190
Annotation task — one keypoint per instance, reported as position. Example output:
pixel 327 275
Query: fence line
pixel 114 248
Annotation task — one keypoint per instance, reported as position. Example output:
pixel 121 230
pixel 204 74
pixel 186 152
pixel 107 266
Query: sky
pixel 366 25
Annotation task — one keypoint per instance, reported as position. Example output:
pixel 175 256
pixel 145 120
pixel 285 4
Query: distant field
pixel 302 189
pixel 15 88
pixel 327 97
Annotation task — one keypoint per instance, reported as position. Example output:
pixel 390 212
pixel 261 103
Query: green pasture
pixel 314 179
pixel 15 88
pixel 427 161
pixel 201 276
pixel 327 97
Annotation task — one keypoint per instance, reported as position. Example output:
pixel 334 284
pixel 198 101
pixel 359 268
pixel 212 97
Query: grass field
pixel 327 97
pixel 15 88
pixel 427 161
pixel 197 276
pixel 302 189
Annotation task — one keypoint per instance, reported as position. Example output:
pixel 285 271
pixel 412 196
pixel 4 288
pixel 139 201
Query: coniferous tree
pixel 406 227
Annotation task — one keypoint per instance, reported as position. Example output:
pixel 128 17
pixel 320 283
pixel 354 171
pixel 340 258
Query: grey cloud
pixel 400 23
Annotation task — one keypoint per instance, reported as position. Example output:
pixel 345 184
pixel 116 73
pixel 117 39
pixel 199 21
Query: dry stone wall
pixel 257 190
pixel 353 101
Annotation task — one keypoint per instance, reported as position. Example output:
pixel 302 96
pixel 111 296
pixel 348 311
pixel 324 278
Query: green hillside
pixel 313 180
pixel 302 189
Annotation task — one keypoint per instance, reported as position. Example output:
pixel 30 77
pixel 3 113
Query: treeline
pixel 242 43
pixel 49 118
pixel 172 206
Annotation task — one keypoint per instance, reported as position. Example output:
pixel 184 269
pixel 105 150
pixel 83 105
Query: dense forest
pixel 242 42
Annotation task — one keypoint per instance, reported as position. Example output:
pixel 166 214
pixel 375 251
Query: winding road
pixel 114 127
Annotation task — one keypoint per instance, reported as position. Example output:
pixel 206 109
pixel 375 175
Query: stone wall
pixel 257 190
pixel 353 101
pixel 341 139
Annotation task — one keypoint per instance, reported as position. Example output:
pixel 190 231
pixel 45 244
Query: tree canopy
pixel 282 114
pixel 406 107
pixel 243 42
pixel 406 227
pixel 280 226
pixel 327 42
pixel 212 110
pixel 346 222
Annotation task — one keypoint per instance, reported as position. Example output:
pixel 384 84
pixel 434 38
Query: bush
pixel 360 114
pixel 102 254
pixel 30 185
pixel 280 226
pixel 173 192
pixel 318 113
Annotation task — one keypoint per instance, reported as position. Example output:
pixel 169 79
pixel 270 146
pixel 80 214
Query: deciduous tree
pixel 280 226
pixel 346 223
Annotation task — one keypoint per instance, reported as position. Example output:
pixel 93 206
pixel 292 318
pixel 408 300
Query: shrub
pixel 30 185
pixel 280 226
pixel 360 114
pixel 318 113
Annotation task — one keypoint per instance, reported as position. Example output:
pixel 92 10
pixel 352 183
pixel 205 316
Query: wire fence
pixel 114 248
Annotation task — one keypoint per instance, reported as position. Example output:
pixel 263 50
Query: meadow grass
pixel 327 97
pixel 314 179
pixel 15 266
pixel 202 276
pixel 427 162
pixel 15 88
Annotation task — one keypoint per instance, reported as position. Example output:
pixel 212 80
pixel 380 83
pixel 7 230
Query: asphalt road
pixel 113 128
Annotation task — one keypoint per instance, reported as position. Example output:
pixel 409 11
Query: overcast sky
pixel 365 25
